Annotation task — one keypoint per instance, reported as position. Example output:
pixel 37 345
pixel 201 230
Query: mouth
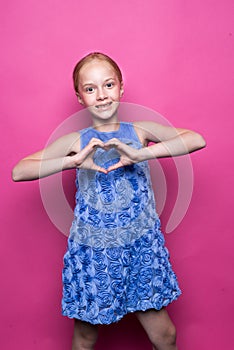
pixel 103 106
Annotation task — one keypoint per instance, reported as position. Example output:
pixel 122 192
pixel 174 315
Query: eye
pixel 89 89
pixel 109 85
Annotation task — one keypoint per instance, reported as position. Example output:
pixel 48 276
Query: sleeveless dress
pixel 116 261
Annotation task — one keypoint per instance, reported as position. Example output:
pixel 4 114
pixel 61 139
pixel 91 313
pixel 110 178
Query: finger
pixel 120 146
pixel 96 167
pixel 115 166
pixel 112 143
pixel 91 147
pixel 100 169
pixel 93 167
pixel 114 139
pixel 96 142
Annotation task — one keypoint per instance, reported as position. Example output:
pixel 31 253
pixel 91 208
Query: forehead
pixel 96 70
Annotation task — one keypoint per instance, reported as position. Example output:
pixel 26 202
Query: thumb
pixel 98 168
pixel 115 166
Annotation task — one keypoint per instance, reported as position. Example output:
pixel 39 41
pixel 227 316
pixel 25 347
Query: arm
pixel 168 142
pixel 62 154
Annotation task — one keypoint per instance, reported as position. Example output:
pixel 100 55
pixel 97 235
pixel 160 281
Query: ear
pixel 121 89
pixel 79 98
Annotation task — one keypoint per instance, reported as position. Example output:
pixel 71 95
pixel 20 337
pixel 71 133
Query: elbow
pixel 15 175
pixel 198 142
pixel 201 142
pixel 194 141
pixel 22 172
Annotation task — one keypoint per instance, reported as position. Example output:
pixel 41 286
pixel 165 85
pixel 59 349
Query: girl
pixel 116 261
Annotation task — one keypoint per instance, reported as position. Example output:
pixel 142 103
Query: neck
pixel 111 124
pixel 107 127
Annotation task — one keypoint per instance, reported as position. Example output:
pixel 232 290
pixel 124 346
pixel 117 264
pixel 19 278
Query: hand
pixel 128 154
pixel 84 158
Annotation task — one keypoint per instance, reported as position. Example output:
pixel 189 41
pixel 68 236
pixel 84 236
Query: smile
pixel 106 105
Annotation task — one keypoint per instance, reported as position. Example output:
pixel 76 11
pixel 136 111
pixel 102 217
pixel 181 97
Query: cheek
pixel 116 94
pixel 89 100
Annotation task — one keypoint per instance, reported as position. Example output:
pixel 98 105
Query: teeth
pixel 103 106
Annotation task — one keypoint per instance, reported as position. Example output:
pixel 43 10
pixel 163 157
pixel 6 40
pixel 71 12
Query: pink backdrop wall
pixel 177 58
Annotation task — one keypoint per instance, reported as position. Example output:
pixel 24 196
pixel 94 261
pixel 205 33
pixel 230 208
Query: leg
pixel 159 328
pixel 85 335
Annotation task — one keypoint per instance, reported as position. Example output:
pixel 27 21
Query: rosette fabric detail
pixel 116 261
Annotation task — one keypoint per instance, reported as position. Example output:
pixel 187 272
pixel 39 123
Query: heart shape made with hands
pixel 125 152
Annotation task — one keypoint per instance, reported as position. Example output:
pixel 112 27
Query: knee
pixel 166 337
pixel 83 342
pixel 171 335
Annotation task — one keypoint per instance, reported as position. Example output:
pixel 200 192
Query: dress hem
pixel 118 318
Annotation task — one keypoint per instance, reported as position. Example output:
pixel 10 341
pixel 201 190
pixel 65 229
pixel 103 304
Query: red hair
pixel 91 56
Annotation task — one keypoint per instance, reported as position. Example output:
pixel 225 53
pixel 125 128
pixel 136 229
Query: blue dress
pixel 116 261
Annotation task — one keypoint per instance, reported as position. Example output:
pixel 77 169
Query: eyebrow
pixel 87 84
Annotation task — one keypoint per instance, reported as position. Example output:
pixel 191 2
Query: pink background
pixel 177 58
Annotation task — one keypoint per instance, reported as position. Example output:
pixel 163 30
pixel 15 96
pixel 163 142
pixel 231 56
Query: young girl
pixel 116 261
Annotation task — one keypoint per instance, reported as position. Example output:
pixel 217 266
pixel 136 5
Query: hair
pixel 88 58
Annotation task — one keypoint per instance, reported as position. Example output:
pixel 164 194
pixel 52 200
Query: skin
pixel 99 86
pixel 100 91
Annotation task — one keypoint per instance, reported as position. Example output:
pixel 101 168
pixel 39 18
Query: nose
pixel 101 95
